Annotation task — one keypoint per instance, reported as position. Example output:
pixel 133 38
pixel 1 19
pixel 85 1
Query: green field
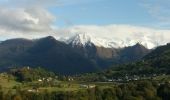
pixel 7 83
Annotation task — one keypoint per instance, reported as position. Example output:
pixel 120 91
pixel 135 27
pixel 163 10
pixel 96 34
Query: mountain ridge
pixel 63 58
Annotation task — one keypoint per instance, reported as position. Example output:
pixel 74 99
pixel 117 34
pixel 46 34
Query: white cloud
pixel 27 18
pixel 121 32
pixel 31 19
pixel 37 23
pixel 26 21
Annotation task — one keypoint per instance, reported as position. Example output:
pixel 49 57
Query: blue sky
pixel 103 12
pixel 150 13
pixel 63 18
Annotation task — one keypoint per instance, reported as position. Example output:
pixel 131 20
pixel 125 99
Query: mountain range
pixel 106 52
pixel 79 54
pixel 86 39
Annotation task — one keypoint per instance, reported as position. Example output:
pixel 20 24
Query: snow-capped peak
pixel 84 39
pixel 80 39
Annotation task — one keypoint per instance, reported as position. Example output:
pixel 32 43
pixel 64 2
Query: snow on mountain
pixel 80 39
pixel 84 39
pixel 87 39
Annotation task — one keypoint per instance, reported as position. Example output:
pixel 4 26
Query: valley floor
pixel 157 88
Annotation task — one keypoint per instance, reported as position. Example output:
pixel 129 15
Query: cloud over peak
pixel 120 32
pixel 33 19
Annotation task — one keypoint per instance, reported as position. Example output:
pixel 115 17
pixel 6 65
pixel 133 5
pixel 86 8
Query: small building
pixel 87 86
pixel 33 90
pixel 83 86
pixel 49 79
pixel 39 80
pixel 70 79
pixel 110 80
pixel 91 86
pixel 28 67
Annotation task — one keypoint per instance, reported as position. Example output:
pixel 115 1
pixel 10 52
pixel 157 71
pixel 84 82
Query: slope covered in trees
pixel 62 58
pixel 156 62
pixel 45 52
